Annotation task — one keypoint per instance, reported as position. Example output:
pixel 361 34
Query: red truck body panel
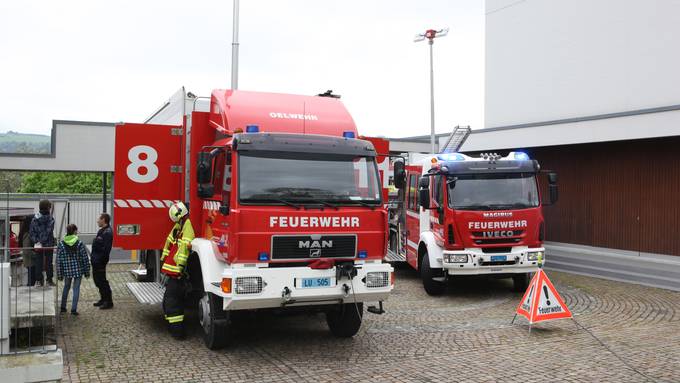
pixel 145 185
pixel 284 113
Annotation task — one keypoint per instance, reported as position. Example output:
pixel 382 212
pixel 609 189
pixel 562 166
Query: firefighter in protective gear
pixel 174 260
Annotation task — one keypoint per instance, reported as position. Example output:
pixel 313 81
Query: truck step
pixel 394 257
pixel 147 293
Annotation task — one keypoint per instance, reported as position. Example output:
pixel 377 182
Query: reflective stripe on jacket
pixel 176 250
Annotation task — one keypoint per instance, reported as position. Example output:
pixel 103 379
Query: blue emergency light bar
pixel 252 129
pixel 348 134
pixel 451 157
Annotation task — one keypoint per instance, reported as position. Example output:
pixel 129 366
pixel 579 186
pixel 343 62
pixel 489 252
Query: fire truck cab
pixel 285 200
pixel 473 216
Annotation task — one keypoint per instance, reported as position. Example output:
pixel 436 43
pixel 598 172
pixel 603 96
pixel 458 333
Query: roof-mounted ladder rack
pixel 456 139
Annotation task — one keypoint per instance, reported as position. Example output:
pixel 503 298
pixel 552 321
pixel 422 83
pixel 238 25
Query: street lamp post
pixel 430 35
pixel 234 48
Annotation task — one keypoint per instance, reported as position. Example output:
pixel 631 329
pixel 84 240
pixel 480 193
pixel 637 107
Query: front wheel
pixel 213 320
pixel 345 321
pixel 428 275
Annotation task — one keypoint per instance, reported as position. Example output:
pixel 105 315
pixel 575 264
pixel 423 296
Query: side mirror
pixel 204 168
pixel 206 190
pixel 399 175
pixel 552 178
pixel 424 192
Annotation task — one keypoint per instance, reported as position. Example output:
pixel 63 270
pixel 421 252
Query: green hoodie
pixel 71 239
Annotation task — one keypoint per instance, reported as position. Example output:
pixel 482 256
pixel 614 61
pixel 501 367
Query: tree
pixel 63 182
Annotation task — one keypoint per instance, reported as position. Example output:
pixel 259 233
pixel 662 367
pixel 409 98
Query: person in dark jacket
pixel 101 248
pixel 27 251
pixel 72 265
pixel 42 235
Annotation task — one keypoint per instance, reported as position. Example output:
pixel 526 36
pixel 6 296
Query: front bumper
pixel 479 263
pixel 281 287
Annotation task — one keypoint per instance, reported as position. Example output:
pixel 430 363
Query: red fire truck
pixel 460 215
pixel 285 199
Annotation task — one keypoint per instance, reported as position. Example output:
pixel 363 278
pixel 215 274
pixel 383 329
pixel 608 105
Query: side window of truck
pixel 226 183
pixel 413 192
pixel 437 192
pixel 218 172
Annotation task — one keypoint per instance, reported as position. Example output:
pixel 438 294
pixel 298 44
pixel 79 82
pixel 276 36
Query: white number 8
pixel 136 162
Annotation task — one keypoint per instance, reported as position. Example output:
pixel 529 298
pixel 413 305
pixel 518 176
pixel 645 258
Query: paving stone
pixel 464 335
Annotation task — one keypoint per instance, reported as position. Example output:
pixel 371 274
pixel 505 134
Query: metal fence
pixel 80 209
pixel 28 315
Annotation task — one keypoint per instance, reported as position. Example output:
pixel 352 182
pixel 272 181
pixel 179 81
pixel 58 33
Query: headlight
pixel 249 285
pixel 455 258
pixel 533 256
pixel 377 279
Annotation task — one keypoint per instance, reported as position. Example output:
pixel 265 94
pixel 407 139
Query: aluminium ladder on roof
pixel 456 139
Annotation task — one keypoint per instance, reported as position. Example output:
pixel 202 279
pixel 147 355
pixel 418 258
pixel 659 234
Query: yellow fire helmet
pixel 177 211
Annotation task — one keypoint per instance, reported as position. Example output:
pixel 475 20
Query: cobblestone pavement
pixel 464 335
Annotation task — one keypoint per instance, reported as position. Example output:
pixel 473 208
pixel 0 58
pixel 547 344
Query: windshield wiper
pixel 360 202
pixel 321 202
pixel 516 205
pixel 473 207
pixel 279 200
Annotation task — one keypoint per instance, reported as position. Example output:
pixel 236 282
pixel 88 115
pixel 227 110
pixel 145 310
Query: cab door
pixel 437 190
pixel 412 219
pixel 148 177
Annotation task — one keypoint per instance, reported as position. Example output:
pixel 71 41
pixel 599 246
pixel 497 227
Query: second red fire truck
pixel 460 215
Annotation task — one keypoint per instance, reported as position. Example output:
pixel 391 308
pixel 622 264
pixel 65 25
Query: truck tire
pixel 520 282
pixel 431 286
pixel 345 322
pixel 213 320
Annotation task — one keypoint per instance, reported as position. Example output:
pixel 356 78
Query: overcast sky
pixel 120 60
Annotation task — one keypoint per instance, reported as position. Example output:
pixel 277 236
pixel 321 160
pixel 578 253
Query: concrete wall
pixel 76 146
pixel 549 60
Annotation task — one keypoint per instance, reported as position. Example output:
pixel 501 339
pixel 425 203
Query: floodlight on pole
pixel 430 35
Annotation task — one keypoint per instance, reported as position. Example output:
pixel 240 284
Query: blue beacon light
pixel 263 256
pixel 252 129
pixel 451 157
pixel 348 134
pixel 363 254
pixel 521 156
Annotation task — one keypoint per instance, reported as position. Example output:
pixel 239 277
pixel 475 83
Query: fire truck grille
pixel 497 241
pixel 480 234
pixel 313 246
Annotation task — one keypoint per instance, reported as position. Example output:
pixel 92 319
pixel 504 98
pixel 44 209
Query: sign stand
pixel 541 301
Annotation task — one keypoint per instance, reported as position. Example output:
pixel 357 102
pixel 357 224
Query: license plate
pixel 308 283
pixel 499 258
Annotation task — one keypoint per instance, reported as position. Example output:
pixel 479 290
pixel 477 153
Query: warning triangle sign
pixel 541 301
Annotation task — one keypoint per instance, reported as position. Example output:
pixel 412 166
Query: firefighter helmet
pixel 177 211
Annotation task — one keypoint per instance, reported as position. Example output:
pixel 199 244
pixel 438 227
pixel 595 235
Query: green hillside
pixel 13 142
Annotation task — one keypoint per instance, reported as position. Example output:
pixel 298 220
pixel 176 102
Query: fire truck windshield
pixel 493 191
pixel 301 178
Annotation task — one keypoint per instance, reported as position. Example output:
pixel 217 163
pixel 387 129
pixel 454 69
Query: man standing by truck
pixel 174 259
pixel 101 248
